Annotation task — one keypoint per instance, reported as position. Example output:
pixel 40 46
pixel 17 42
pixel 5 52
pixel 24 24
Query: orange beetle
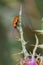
pixel 15 21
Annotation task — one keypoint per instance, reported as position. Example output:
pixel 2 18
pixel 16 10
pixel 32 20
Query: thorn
pixel 30 52
pixel 26 42
pixel 18 53
pixel 39 31
pixel 40 46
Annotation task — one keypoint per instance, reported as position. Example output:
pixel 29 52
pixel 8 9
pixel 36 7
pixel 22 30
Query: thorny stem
pixel 26 54
pixel 21 34
pixel 34 50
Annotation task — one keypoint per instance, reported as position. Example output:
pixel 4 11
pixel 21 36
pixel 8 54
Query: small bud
pixel 32 61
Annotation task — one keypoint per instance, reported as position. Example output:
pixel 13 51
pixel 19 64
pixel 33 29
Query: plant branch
pixel 21 34
pixel 34 50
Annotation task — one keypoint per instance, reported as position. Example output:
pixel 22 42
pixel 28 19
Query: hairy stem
pixel 34 50
pixel 21 34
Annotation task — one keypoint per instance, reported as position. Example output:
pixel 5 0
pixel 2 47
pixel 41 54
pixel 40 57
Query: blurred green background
pixel 31 19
